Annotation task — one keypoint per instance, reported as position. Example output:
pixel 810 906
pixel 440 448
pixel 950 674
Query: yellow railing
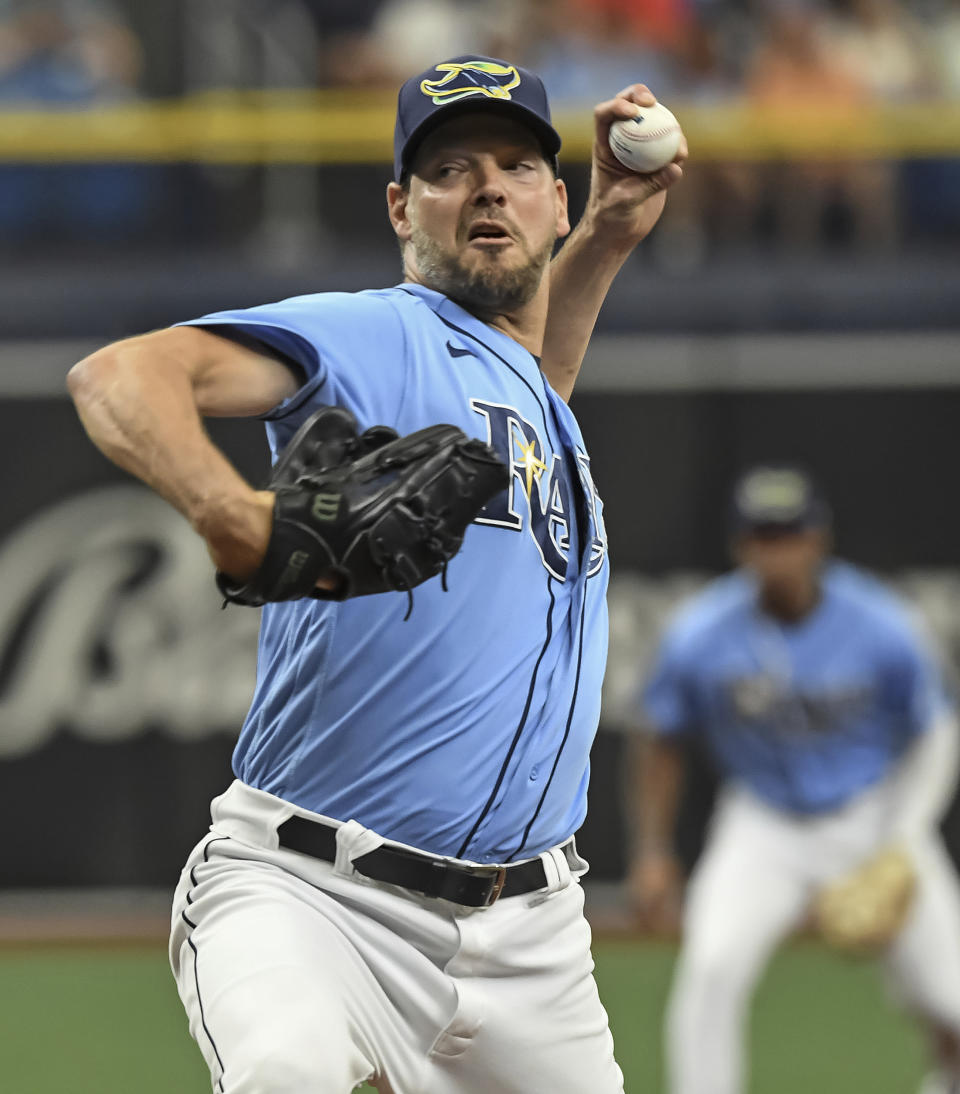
pixel 337 128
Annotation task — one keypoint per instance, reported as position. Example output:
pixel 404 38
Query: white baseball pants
pixel 302 977
pixel 752 886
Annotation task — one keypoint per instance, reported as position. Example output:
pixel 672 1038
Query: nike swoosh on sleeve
pixel 459 351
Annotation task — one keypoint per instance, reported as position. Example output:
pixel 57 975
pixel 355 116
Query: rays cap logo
pixel 777 498
pixel 464 85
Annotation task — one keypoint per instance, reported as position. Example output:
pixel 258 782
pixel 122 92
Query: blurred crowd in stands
pixel 68 52
pixel 694 50
pixel 82 51
pixel 850 52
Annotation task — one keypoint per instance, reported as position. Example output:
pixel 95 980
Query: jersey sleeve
pixel 348 347
pixel 911 684
pixel 666 700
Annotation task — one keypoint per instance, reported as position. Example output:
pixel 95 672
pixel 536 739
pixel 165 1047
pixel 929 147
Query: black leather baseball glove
pixel 372 511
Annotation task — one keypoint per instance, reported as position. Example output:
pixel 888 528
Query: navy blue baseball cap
pixel 464 85
pixel 777 498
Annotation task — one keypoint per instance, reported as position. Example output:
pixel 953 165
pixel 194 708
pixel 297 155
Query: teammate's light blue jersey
pixel 805 714
pixel 465 730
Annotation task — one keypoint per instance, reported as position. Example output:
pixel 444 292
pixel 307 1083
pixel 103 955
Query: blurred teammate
pixel 390 890
pixel 825 714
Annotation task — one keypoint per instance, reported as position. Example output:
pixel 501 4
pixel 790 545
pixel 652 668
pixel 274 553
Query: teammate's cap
pixel 463 85
pixel 777 497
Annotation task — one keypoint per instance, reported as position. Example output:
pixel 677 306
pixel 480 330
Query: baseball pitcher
pixel 389 890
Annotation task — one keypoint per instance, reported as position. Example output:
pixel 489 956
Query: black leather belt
pixel 458 882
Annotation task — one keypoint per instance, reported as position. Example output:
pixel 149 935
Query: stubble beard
pixel 486 288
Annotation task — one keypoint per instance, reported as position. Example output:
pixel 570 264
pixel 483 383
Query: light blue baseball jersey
pixel 465 730
pixel 806 714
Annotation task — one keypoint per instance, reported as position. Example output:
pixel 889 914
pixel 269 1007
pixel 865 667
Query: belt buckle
pixel 499 880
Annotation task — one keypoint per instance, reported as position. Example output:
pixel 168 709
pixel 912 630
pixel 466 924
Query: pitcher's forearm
pixel 580 278
pixel 140 411
pixel 622 208
pixel 143 417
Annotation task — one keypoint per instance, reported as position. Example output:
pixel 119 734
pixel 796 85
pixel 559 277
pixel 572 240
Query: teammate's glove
pixel 862 913
pixel 373 511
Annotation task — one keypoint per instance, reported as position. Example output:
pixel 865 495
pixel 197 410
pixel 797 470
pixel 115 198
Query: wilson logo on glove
pixel 325 506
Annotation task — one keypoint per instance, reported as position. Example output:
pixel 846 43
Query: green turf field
pixel 101 1021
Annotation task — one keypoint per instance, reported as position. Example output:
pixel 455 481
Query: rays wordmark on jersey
pixel 767 702
pixel 540 491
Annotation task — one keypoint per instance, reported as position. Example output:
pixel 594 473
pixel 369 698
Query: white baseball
pixel 647 142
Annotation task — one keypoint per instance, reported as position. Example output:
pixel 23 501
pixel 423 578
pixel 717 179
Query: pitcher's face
pixel 482 213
